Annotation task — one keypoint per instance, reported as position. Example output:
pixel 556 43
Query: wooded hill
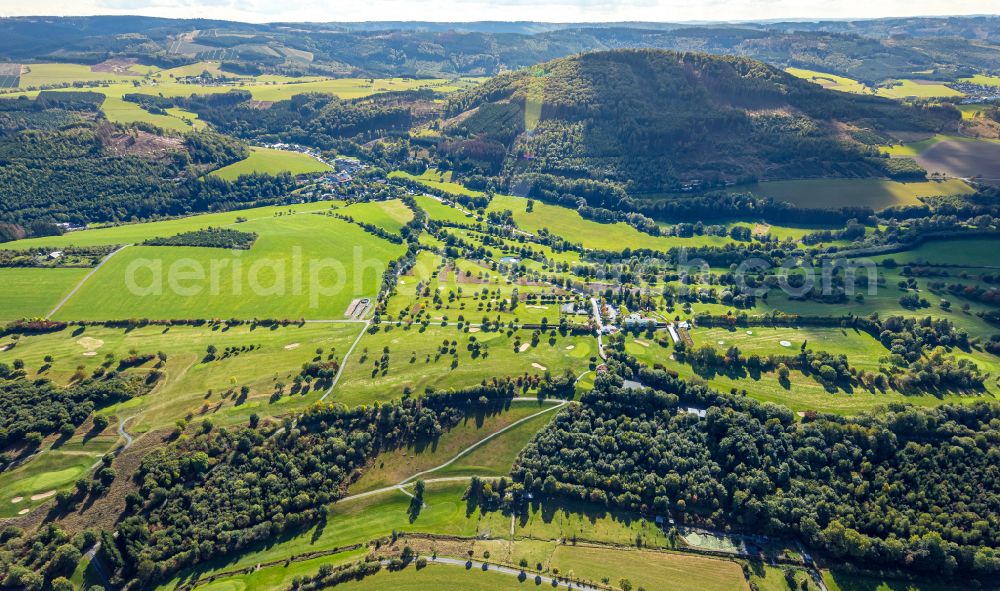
pixel 653 119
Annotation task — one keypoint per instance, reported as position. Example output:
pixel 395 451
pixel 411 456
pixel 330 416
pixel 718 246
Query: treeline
pixel 216 491
pixel 34 409
pixel 908 488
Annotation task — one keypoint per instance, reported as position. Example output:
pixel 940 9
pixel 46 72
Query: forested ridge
pixel 651 120
pixel 912 488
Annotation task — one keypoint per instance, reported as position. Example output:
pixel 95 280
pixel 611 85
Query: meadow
pixel 32 292
pixel 436 180
pixel 191 384
pixel 436 210
pixel 918 89
pixel 570 225
pixel 271 161
pixel 831 81
pixel 982 80
pixel 302 266
pixel 876 193
pixel 841 581
pixel 393 467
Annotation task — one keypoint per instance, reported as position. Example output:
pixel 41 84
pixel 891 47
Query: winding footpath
pixel 343 362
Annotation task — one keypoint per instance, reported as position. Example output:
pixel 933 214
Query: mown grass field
pixel 302 266
pixel 435 577
pixel 416 361
pixel 271 161
pixel 280 576
pixel 651 570
pixel 393 467
pixel 875 193
pixel 32 293
pixel 917 89
pixel 187 375
pixel 982 80
pixel 830 81
pixel 390 215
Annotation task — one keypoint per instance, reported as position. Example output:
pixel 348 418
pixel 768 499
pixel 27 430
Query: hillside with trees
pixel 654 120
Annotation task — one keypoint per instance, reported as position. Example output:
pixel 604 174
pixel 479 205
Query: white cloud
pixel 464 10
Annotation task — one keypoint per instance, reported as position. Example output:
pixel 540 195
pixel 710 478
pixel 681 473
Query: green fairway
pixel 302 266
pixel 36 481
pixel 188 377
pixel 903 89
pixel 393 467
pixel 416 361
pixel 280 576
pixel 32 292
pixel 659 570
pixel 830 81
pixel 271 161
pixel 434 577
pixel 875 193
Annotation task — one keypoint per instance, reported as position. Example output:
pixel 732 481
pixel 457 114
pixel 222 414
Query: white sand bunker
pixel 473 329
pixel 539 366
pixel 44 495
pixel 5 347
pixel 570 347
pixel 24 511
pixel 784 343
pixel 293 346
pixel 90 353
pixel 90 343
pixel 749 332
pixel 525 347
pixel 17 500
pixel 722 342
pixel 537 307
pixel 643 343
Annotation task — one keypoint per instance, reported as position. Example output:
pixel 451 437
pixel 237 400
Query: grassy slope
pixel 838 581
pixel 877 193
pixel 439 211
pixel 498 456
pixel 395 466
pixel 661 571
pixel 916 89
pixel 271 161
pixel 390 215
pixel 830 81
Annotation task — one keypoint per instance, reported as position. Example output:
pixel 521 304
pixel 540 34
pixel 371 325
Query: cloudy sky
pixel 466 10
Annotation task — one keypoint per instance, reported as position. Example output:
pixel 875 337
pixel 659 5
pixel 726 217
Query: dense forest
pixel 909 487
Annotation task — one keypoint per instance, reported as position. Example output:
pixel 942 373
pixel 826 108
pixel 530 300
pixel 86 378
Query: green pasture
pixel 436 210
pixel 280 576
pixel 274 162
pixel 392 467
pixel 416 361
pixel 436 180
pixel 32 293
pixel 830 81
pixel 302 266
pixel 917 89
pixel 188 377
pixel 982 80
pixel 389 215
pixel 659 570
